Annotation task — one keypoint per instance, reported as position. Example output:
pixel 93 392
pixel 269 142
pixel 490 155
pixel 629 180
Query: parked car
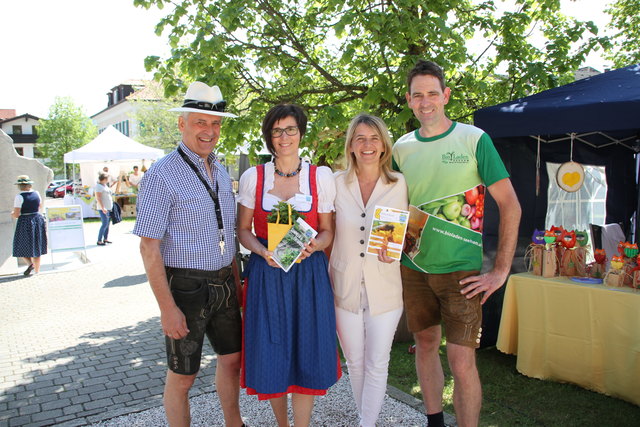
pixel 63 189
pixel 55 184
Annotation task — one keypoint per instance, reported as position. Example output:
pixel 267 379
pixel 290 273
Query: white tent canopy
pixel 111 145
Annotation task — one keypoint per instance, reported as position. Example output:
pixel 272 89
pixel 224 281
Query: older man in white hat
pixel 186 218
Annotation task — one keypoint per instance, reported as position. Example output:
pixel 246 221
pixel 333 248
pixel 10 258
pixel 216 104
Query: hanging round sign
pixel 570 176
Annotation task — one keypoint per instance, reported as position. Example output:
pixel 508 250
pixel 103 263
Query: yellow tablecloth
pixel 588 335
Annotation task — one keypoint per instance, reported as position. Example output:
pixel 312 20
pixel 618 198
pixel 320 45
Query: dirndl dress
pixel 30 238
pixel 289 327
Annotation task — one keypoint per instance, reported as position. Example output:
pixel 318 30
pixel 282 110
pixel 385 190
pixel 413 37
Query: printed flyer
pixel 452 226
pixel 293 243
pixel 388 230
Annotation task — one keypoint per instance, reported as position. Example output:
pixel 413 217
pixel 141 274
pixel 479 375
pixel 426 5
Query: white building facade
pixel 23 131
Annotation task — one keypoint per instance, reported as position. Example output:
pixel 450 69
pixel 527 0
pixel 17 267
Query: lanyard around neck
pixel 212 193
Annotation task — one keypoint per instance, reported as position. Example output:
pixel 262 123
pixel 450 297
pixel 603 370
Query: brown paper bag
pixel 536 259
pixel 580 261
pixel 567 263
pixel 549 263
pixel 627 277
pixel 636 279
pixel 597 270
pixel 615 279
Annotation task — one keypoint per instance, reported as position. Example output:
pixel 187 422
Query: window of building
pixel 575 211
pixel 123 127
pixel 17 129
pixel 20 151
pixel 34 129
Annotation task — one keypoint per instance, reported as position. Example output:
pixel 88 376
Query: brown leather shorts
pixel 210 305
pixel 431 299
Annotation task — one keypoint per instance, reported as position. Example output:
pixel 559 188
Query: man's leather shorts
pixel 209 302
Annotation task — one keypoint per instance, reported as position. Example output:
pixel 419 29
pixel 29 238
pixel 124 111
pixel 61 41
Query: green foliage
pixel 625 19
pixel 337 58
pixel 65 129
pixel 283 209
pixel 158 127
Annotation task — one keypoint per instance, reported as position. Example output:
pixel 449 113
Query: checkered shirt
pixel 175 207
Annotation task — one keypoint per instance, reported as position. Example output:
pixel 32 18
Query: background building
pixel 22 130
pixel 120 109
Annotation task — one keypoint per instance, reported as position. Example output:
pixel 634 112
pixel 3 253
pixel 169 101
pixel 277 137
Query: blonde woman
pixel 367 289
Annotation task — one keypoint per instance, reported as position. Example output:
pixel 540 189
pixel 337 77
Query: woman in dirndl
pixel 30 238
pixel 289 319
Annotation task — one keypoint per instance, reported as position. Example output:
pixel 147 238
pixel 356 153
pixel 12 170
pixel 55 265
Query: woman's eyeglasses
pixel 289 130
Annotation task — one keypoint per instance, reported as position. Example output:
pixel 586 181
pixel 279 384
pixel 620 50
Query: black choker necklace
pixel 288 175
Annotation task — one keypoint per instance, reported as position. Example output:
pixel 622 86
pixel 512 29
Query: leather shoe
pixel 28 270
pixel 100 243
pixel 108 241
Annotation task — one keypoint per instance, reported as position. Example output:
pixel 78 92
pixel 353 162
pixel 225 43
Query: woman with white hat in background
pixel 30 238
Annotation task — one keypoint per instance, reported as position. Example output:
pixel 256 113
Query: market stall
pixel 117 152
pixel 593 121
pixel 563 330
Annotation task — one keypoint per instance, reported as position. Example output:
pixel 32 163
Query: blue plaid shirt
pixel 174 207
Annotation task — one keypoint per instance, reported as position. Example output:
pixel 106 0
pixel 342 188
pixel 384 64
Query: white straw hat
pixel 205 99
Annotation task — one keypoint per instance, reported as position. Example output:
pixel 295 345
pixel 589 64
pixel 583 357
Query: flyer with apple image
pixel 388 230
pixel 292 244
pixel 453 222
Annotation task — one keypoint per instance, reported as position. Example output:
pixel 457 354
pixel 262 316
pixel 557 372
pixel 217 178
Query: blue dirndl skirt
pixel 289 327
pixel 30 238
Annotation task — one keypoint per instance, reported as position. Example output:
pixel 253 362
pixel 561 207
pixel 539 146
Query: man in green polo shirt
pixel 449 167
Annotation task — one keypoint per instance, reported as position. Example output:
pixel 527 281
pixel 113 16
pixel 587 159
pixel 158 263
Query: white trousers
pixel 366 343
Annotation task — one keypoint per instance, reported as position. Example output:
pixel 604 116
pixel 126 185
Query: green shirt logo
pixel 452 157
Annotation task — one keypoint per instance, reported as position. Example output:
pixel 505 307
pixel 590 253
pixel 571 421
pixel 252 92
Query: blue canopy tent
pixel 601 114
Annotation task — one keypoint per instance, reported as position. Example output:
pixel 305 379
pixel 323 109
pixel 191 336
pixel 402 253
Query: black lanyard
pixel 212 193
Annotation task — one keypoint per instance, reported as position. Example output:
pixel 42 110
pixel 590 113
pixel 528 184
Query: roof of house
pixel 21 116
pixel 7 113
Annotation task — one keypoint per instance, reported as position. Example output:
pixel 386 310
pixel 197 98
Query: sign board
pixel 64 224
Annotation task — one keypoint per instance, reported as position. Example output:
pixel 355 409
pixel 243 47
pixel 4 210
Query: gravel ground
pixel 336 409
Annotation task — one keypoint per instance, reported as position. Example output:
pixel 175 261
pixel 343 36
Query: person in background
pixel 30 238
pixel 367 289
pixel 289 321
pixel 185 220
pixel 110 178
pixel 134 179
pixel 104 204
pixel 448 167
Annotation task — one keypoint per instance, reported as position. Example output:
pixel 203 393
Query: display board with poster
pixel 65 227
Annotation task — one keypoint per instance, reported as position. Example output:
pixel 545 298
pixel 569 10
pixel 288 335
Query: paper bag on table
pixel 549 263
pixel 615 279
pixel 536 259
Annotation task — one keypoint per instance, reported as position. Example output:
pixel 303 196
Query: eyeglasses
pixel 289 130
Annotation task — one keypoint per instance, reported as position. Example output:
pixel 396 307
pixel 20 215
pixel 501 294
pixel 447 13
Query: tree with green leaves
pixel 337 58
pixel 65 129
pixel 157 126
pixel 625 20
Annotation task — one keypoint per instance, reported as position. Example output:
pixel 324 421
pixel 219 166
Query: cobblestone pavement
pixel 83 343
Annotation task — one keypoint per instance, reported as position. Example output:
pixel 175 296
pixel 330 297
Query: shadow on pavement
pixel 107 374
pixel 126 281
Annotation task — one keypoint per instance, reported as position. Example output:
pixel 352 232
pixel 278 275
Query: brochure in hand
pixel 388 229
pixel 292 244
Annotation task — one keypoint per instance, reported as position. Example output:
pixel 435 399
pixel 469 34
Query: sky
pixel 83 48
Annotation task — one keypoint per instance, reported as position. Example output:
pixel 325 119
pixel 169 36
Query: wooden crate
pixel 128 211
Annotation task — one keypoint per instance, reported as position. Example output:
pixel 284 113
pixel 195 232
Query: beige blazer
pixel 349 265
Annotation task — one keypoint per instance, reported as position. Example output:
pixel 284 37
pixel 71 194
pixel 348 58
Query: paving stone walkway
pixel 82 343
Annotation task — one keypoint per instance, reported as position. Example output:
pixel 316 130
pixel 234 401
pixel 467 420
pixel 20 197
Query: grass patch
pixel 512 399
pixel 127 219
